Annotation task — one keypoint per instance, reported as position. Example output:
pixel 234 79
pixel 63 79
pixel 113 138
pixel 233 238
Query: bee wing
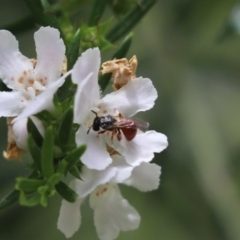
pixel 125 123
pixel 131 123
pixel 141 124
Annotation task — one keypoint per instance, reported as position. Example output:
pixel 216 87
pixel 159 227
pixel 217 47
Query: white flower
pixel 112 213
pixel 138 95
pixel 33 83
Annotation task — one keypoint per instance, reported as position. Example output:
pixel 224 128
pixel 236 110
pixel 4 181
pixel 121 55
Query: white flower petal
pixel 124 170
pixel 69 219
pixel 21 133
pixel 145 177
pixel 141 148
pixel 50 54
pixel 82 101
pixel 112 213
pixel 85 74
pixel 11 103
pixel 42 101
pixel 88 62
pixel 138 95
pixel 93 178
pixel 12 62
pixel 96 155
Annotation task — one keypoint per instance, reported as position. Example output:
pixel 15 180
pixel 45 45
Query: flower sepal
pixel 36 191
pixel 28 185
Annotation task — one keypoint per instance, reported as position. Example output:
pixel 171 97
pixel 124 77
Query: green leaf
pixel 54 179
pixel 47 153
pixel 66 192
pixel 30 202
pixel 34 151
pixel 74 156
pixel 46 190
pixel 62 166
pixel 73 49
pixel 121 7
pixel 44 200
pixel 9 199
pixel 96 12
pixel 31 127
pixel 74 171
pixel 28 185
pixel 76 126
pixel 65 129
pixel 120 53
pixel 46 116
pixel 66 91
pixel 130 20
pixel 44 193
pixel 57 103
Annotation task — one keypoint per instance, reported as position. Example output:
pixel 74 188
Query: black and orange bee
pixel 116 125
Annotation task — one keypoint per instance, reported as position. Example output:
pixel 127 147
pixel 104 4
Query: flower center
pixel 30 84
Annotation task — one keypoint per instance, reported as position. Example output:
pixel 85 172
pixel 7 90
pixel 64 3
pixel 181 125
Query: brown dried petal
pixel 13 152
pixel 122 71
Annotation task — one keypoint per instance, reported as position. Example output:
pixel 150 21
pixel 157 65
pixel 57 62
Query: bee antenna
pixel 94 113
pixel 89 130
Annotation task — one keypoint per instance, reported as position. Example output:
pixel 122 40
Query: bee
pixel 116 125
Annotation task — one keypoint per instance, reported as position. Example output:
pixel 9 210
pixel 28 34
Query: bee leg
pixel 119 135
pixel 89 130
pixel 113 132
pixel 101 132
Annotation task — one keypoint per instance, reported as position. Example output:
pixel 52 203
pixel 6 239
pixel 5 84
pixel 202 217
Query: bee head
pixel 96 122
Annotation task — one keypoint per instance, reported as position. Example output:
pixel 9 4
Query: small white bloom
pixel 33 83
pixel 138 95
pixel 112 213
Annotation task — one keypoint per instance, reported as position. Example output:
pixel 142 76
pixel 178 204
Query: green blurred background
pixel 181 46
